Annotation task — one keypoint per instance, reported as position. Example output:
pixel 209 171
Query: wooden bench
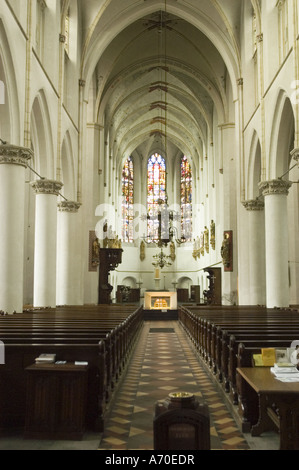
pixel 276 405
pixel 226 338
pixel 13 380
pixel 102 336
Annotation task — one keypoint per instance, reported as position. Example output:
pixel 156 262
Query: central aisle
pixel 164 362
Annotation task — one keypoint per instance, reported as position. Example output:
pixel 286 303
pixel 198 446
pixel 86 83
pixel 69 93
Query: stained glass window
pixel 186 199
pixel 128 201
pixel 156 192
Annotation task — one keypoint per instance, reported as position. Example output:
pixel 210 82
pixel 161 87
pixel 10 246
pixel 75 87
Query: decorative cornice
pixel 275 187
pixel 47 187
pixel 254 205
pixel 260 37
pixel 295 154
pixel 69 206
pixel 42 4
pixel 14 155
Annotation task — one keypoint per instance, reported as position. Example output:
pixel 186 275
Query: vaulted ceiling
pixel 161 71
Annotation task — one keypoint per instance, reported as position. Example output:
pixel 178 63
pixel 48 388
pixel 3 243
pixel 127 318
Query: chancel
pixel 160 300
pixel 149 168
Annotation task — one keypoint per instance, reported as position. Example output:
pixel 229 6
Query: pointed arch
pixel 128 201
pixel 186 198
pixel 282 136
pixel 156 192
pixel 41 136
pixel 10 112
pixel 227 46
pixel 254 167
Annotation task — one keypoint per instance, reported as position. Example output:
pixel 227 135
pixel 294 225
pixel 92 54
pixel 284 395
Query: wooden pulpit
pixel 110 258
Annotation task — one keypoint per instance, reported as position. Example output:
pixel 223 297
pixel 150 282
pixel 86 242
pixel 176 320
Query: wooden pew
pixel 13 380
pixel 247 399
pixel 270 341
pixel 103 336
pixel 226 338
pixel 231 339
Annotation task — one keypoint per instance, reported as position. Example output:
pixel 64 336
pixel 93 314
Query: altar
pixel 162 301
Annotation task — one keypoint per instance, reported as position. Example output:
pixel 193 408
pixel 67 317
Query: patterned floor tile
pixel 163 363
pixel 120 420
pixel 116 430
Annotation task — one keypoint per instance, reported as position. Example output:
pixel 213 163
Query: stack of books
pixel 285 372
pixel 46 359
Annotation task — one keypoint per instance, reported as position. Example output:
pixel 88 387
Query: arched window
pixel 128 201
pixel 67 32
pixel 186 199
pixel 40 28
pixel 156 192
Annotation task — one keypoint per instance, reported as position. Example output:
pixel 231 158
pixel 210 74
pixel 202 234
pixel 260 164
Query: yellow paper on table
pixel 268 356
pixel 257 360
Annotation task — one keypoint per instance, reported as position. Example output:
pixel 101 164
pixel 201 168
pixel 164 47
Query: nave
pixel 163 361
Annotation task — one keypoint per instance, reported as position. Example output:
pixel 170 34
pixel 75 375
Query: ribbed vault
pixel 159 82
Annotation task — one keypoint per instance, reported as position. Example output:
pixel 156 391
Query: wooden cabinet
pixel 127 294
pixel 183 295
pixel 195 294
pixel 56 401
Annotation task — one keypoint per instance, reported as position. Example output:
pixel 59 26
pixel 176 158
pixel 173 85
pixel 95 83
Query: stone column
pixel 13 164
pixel 276 242
pixel 293 213
pixel 69 256
pixel 257 269
pixel 47 192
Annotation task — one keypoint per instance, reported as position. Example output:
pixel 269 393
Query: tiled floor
pixel 163 363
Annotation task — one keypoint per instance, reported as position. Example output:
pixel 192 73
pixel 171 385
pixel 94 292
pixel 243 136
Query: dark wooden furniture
pixel 126 294
pixel 278 405
pixel 56 401
pixel 195 294
pixel 226 337
pixel 181 422
pixel 213 295
pixel 110 258
pixel 101 335
pixel 183 295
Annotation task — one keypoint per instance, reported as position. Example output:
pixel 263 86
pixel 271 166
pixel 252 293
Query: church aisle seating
pixel 102 335
pixel 226 338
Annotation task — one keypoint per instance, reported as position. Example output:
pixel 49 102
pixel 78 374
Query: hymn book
pixel 46 359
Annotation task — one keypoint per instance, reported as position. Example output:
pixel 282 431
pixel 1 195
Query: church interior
pixel 149 170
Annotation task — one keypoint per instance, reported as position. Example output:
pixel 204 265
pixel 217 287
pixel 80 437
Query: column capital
pixel 69 206
pixel 44 186
pixel 14 155
pixel 275 187
pixel 254 205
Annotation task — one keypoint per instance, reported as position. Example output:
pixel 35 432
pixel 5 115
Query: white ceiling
pixel 160 71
